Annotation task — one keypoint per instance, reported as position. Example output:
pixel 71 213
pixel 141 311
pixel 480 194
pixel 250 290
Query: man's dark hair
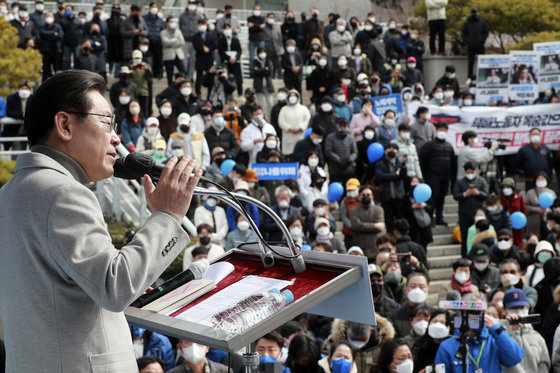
pixel 339 342
pixel 469 166
pixel 144 361
pixel 255 108
pixel 401 226
pixel 240 169
pixel 389 111
pixel 523 258
pixel 463 262
pixel 67 90
pixel 510 260
pixel 318 130
pixel 417 274
pixel 134 8
pixel 386 238
pixel 467 135
pixel 422 309
pixel 324 245
pixel 482 225
pixel 492 199
pixel 273 336
pixel 198 251
pixel 421 110
pixel 205 226
pixel 505 232
pixel 228 7
pixel 290 328
pixel 439 125
pixel 404 127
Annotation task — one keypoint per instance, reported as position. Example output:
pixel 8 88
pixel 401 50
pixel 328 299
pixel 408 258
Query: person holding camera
pixel 474 154
pixel 534 158
pixel 221 85
pixel 517 307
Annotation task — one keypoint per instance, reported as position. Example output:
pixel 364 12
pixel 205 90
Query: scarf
pixel 461 288
pixel 325 239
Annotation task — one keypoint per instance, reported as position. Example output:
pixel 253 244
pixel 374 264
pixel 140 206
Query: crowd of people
pixel 345 64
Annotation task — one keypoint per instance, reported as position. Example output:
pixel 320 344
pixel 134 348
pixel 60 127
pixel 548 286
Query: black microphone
pixel 136 165
pixel 195 272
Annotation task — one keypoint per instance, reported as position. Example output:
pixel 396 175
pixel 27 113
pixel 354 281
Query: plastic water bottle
pixel 264 306
pixel 219 317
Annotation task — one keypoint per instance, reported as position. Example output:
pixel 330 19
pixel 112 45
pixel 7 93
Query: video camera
pixel 501 142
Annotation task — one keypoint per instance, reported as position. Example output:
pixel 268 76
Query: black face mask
pixel 228 15
pixel 366 201
pixel 251 98
pixel 60 8
pixel 86 50
pixel 374 80
pixel 391 154
pixel 290 19
pixel 376 289
pixel 364 93
pixel 319 184
pixel 219 161
pixel 184 128
pixel 531 247
pixel 95 33
pixel 205 240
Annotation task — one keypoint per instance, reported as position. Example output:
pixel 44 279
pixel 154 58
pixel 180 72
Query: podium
pixel 333 285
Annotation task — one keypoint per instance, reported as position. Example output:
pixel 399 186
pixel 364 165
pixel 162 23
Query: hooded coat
pixel 293 117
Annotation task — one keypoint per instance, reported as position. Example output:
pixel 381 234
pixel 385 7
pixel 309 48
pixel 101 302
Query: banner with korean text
pixel 549 54
pixel 492 79
pixel 276 171
pixel 508 125
pixel 524 76
pixel 383 103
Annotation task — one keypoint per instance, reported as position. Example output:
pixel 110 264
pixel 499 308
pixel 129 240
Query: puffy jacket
pixel 475 32
pixel 155 25
pixel 341 153
pixel 385 175
pixel 159 346
pixel 469 205
pixel 409 149
pixel 438 158
pixel 499 349
pixel 435 9
pixel 293 117
pixel 536 357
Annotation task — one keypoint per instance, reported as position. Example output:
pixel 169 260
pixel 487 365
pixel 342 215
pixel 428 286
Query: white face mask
pixel 243 226
pixel 492 208
pixel 186 91
pixel 417 296
pixel 291 49
pixel 173 25
pixel 323 231
pixel 461 277
pixel 470 176
pixel 281 96
pixel 353 193
pixel 394 62
pixel 194 353
pixel 211 202
pixel 340 28
pixel 39 7
pixel 368 27
pixel 296 232
pixel 467 102
pixel 228 33
pixel 405 367
pixel 357 52
pixel 153 11
pixel 357 344
pixel 507 191
pixel 293 100
pixel 438 95
pixel 341 98
pixel 262 56
pixel 152 131
pixel 452 76
pixel 124 100
pixel 428 116
pixel 313 162
pixel 192 8
pixel 389 123
pixel 271 144
pixel 135 110
pixel 438 330
pixel 504 245
pixel 481 267
pixel 49 20
pixel 137 61
pixel 256 13
pixel 442 135
pixel 535 139
pixel 320 211
pixel 317 141
pixel 407 96
pixel 405 136
pixel 477 218
pixel 202 28
pixel 251 184
pixel 411 66
pixel 472 90
pixel 24 94
pixel 166 111
pixel 326 107
pixel 270 21
pixel 342 62
pixel 521 312
pixel 322 62
pixel 144 48
pixel 513 279
pixel 541 184
pixel 448 94
pixel 420 327
pixel 178 152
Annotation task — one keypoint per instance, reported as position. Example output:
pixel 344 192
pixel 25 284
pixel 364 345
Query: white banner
pixel 549 55
pixel 500 123
pixel 524 76
pixel 492 78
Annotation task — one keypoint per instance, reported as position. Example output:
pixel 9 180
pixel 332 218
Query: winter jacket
pixel 132 130
pixel 273 40
pixel 50 38
pixel 343 110
pixel 225 139
pixel 251 132
pixel 385 135
pixel 188 23
pixel 255 32
pixel 321 77
pixel 159 346
pixel 469 205
pixel 365 233
pixel 533 160
pixel 435 9
pixel 412 76
pixel 341 152
pixel 363 66
pixel 499 349
pixel 389 181
pixel 490 277
pixel 204 60
pixel 128 37
pixel 293 117
pixel 497 256
pixel 475 32
pixel 325 120
pixel 72 28
pixel 172 42
pixel 536 358
pixel 407 148
pixel 421 133
pixel 303 148
pixel 386 306
pixel 155 26
pixel 262 75
pixel 438 158
pixel 216 219
pixel 360 121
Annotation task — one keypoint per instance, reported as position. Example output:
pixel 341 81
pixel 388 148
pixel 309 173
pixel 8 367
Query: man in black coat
pixel 292 63
pixel 50 46
pixel 204 43
pixel 308 144
pixel 219 135
pixel 475 33
pixel 439 166
pixel 283 209
pixel 229 49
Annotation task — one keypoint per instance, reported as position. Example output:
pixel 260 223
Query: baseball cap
pixel 411 59
pixel 152 120
pixel 319 201
pixel 183 118
pixel 508 181
pixel 479 252
pixel 125 70
pixel 352 184
pixel 320 221
pixel 137 53
pixel 515 298
pixel 356 249
pixel 218 150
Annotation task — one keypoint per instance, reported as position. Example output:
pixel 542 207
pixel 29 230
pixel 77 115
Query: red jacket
pixel 517 203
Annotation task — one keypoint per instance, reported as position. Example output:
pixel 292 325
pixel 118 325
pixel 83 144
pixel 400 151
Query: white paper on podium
pixel 228 297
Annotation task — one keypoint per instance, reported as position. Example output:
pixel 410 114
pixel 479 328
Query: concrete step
pixel 440 229
pixel 443 261
pixel 438 288
pixel 449 208
pixel 436 251
pixel 441 274
pixel 442 239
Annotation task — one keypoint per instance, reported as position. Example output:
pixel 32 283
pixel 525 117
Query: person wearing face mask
pixel 384 305
pixel 270 349
pixel 132 29
pixel 262 77
pixel 25 25
pixel 186 101
pixel 365 170
pixel 304 355
pixel 349 201
pixel 195 144
pixel 360 60
pixel 535 213
pixel 437 332
pixel 322 80
pixel 504 248
pixel 510 277
pixel 340 359
pixel 470 190
pixel 483 275
pixel 195 361
pixel 229 49
pixel 412 75
pixel 396 357
pixel 73 31
pixel 419 321
pixel 340 40
pixel 295 224
pixel 407 151
pixel 449 97
pixel 50 38
pixel 132 125
pixel 256 24
pixel 536 358
pixel 367 221
pixel 341 107
pixel 390 174
pixel 167 122
pixel 271 145
pixel 415 48
pixel 204 43
pixel 283 209
pixel 496 214
pixel 172 42
pixel 473 152
pixel 221 85
pixel 422 130
pixel 324 116
pixel 308 144
pixel 146 143
pixel 243 233
pixel 155 25
pixel 513 202
pixel 467 99
pixel 15 108
pixel 387 131
pixel 341 153
pixel 228 20
pixel 158 155
pixel 363 119
pixel 437 96
pixel 392 72
pixel 205 241
pixel 281 101
pixel 324 235
pixel 114 40
pixel 219 134
pixel 293 120
pixel 142 76
pixel 188 23
pixel 544 251
pixel 461 279
pixel 254 134
pixel 417 291
pixel 345 73
pixel 320 210
pixel 292 64
pixel 124 84
pixel 449 79
pixel 534 158
pixel 308 190
pixel 242 187
pixel 489 347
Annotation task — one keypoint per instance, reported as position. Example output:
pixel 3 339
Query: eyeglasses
pixel 112 125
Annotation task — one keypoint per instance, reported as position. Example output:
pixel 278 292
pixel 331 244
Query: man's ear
pixel 62 126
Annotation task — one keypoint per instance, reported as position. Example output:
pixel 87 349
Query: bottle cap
pixel 288 296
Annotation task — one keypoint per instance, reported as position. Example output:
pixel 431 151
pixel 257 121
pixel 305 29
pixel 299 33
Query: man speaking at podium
pixel 62 282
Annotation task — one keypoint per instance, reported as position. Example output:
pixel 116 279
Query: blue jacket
pixel 159 346
pixel 155 25
pixel 342 110
pixel 357 103
pixel 253 211
pixel 131 131
pixel 384 136
pixel 499 349
pixel 2 108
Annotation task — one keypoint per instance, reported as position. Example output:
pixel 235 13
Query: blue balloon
pixel 336 190
pixel 422 193
pixel 307 132
pixel 546 200
pixel 375 152
pixel 227 166
pixel 306 247
pixel 518 220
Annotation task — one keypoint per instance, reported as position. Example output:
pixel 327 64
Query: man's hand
pixel 489 321
pixel 413 261
pixel 513 326
pixel 175 187
pixel 205 49
pixel 232 60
